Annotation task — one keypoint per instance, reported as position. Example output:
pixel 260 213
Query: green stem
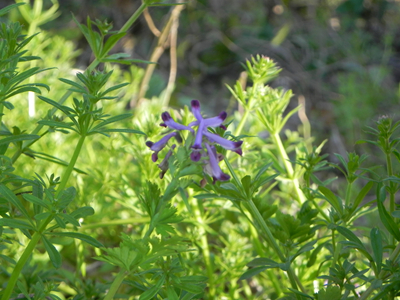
pixel 115 285
pixel 390 173
pixel 318 207
pixel 133 18
pixel 276 283
pixel 348 193
pixel 312 199
pixel 337 247
pixel 391 186
pixel 248 108
pixel 269 237
pixel 205 248
pixel 242 122
pixel 288 166
pixel 271 241
pixel 1 112
pixel 71 165
pixel 24 258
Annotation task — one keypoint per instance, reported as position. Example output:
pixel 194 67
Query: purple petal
pixel 195 155
pixel 217 173
pixel 168 121
pixel 194 123
pixel 238 151
pixel 199 136
pixel 216 121
pixel 161 143
pixel 158 146
pixel 227 144
pixel 196 109
pixel 164 164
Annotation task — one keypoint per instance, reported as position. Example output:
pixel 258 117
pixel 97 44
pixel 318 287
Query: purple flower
pixel 164 164
pixel 203 147
pixel 158 146
pixel 227 144
pixel 213 166
pixel 202 130
pixel 169 122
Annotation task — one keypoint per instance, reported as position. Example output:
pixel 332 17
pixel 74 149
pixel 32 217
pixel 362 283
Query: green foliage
pixel 116 225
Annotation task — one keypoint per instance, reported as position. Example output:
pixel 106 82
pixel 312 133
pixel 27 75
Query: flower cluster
pixel 203 147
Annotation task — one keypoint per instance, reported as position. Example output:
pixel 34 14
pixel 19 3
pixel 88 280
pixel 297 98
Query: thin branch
pixel 162 44
pixel 150 23
pixel 173 60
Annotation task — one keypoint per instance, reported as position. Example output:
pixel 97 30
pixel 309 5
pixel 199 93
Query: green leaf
pixel 113 88
pixel 8 105
pixel 126 61
pixel 252 272
pixel 386 219
pixel 205 196
pixel 111 120
pixel 18 138
pixel 332 292
pixel 24 89
pixel 74 84
pixel 65 109
pixel 42 216
pixel 111 41
pixel 6 9
pixel 24 75
pixel 36 200
pixel 82 212
pixel 307 247
pixel 23 290
pixel 262 171
pixel 190 287
pixel 93 38
pixel 53 253
pixel 332 199
pixel 246 182
pixel 350 236
pixel 377 248
pixel 300 293
pixel 10 196
pixel 263 261
pixel 171 294
pixel 150 293
pixel 8 259
pixel 126 130
pixel 361 195
pixel 66 197
pixel 16 224
pixel 70 220
pixel 60 222
pixel 57 124
pixel 354 241
pixel 54 159
pixel 191 284
pixel 79 236
pixel 314 254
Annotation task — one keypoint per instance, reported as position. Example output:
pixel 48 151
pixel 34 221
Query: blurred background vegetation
pixel 341 57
